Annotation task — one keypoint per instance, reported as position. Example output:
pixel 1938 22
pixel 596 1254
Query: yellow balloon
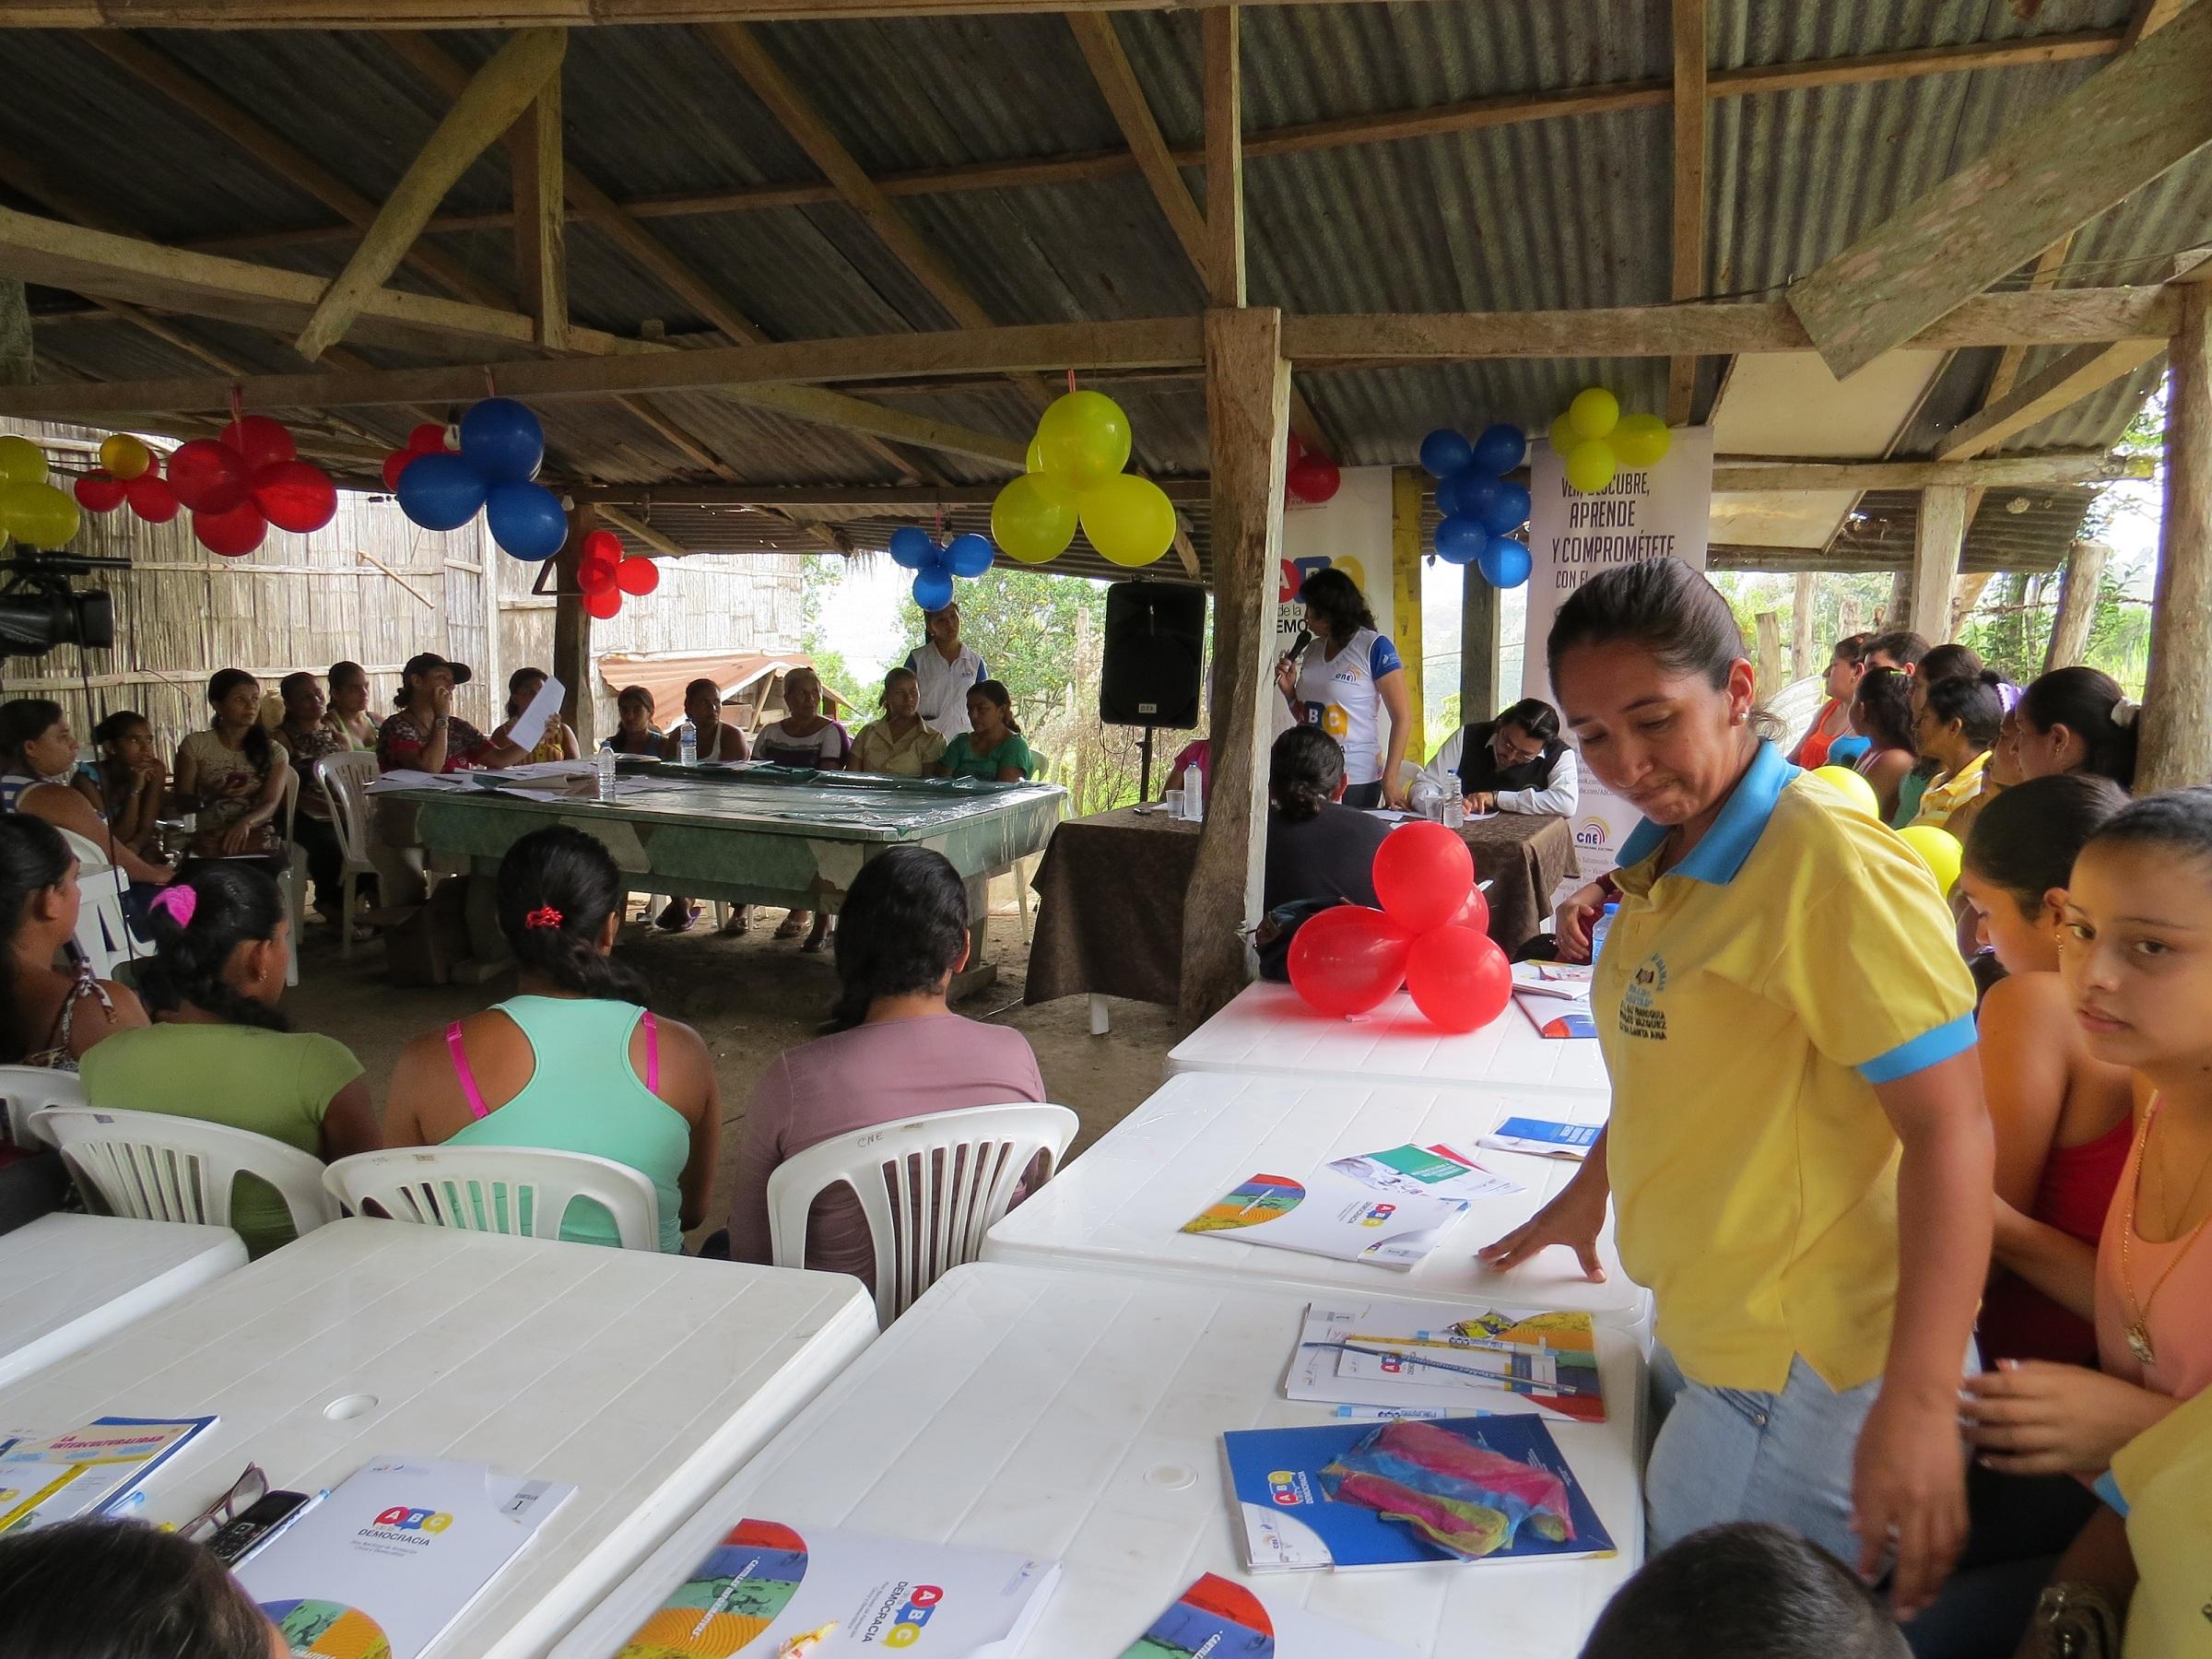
pixel 37 515
pixel 1591 465
pixel 1036 458
pixel 1850 784
pixel 1084 437
pixel 1029 523
pixel 1129 520
pixel 1563 435
pixel 21 461
pixel 1594 411
pixel 1643 440
pixel 1939 849
pixel 124 457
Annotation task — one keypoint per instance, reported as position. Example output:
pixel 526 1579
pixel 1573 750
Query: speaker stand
pixel 1144 750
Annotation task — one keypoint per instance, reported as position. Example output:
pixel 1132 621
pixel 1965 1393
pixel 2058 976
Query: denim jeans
pixel 1729 1454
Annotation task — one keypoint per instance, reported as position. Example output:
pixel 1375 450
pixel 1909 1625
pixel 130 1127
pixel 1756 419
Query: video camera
pixel 39 609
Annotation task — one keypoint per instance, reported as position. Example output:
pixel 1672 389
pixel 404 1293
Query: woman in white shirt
pixel 1514 763
pixel 1345 683
pixel 944 671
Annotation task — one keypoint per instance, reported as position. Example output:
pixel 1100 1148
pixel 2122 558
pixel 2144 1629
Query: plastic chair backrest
pixel 27 1091
pixel 931 1188
pixel 104 936
pixel 525 1191
pixel 346 779
pixel 288 804
pixel 153 1167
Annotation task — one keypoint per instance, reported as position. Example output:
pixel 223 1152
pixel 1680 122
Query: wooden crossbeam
pixel 1687 272
pixel 2063 384
pixel 541 219
pixel 1222 74
pixel 2124 126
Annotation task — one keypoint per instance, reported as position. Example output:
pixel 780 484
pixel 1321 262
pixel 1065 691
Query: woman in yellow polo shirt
pixel 1798 1154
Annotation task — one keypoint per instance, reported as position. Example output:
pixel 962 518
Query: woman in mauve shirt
pixel 894 1052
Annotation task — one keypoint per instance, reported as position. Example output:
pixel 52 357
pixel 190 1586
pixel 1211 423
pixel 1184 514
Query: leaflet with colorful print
pixel 1390 1207
pixel 769 1590
pixel 1218 1617
pixel 1405 1354
pixel 88 1471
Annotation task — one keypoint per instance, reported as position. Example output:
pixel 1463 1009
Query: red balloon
pixel 395 463
pixel 101 492
pixel 1422 874
pixel 208 476
pixel 296 496
pixel 603 603
pixel 1475 913
pixel 1315 479
pixel 597 575
pixel 151 498
pixel 1349 960
pixel 261 441
pixel 637 576
pixel 427 439
pixel 232 534
pixel 603 544
pixel 1460 980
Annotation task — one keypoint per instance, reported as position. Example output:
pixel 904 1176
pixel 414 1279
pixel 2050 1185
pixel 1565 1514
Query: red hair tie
pixel 544 915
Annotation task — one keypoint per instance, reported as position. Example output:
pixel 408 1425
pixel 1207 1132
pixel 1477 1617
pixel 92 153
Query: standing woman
pixel 1956 722
pixel 1834 719
pixel 1349 677
pixel 232 774
pixel 2074 720
pixel 1881 712
pixel 1798 1152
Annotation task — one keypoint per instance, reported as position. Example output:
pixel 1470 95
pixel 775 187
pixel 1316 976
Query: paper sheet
pixel 528 730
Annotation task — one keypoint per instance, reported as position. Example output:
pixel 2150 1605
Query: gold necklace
pixel 2138 1325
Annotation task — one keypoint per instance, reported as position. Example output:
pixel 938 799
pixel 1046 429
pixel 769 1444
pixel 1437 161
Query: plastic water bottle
pixel 606 762
pixel 1193 793
pixel 1597 934
pixel 687 743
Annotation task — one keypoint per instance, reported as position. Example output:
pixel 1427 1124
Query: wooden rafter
pixel 1222 74
pixel 2125 126
pixel 1689 240
pixel 541 219
pixel 2065 383
pixel 2150 15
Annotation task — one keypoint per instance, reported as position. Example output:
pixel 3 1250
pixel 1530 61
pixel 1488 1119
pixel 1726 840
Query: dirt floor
pixel 751 997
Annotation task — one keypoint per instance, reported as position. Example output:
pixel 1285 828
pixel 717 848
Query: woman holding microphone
pixel 1345 682
pixel 1798 1156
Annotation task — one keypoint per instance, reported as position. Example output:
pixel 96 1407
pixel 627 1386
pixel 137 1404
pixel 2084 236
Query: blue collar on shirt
pixel 1716 859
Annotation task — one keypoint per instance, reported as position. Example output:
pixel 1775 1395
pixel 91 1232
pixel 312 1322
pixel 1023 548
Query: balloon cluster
pixel 502 448
pixel 1075 476
pixel 129 476
pixel 1936 848
pixel 1481 506
pixel 935 566
pixel 605 573
pixel 32 511
pixel 235 485
pixel 1430 936
pixel 1311 477
pixel 1597 440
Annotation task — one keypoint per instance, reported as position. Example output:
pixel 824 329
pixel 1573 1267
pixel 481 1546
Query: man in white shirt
pixel 1514 763
pixel 945 671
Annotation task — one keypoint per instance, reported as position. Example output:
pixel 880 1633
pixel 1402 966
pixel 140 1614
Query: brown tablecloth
pixel 1110 898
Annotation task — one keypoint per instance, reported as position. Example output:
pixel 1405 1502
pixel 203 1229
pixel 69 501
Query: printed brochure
pixel 1403 1354
pixel 1218 1617
pixel 1390 1207
pixel 88 1471
pixel 1543 1138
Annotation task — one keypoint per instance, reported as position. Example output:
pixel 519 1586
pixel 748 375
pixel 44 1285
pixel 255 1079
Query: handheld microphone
pixel 1299 645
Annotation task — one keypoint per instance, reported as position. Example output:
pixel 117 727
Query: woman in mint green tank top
pixel 573 1062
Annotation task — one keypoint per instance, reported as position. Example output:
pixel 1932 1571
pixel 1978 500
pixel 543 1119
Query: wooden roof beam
pixel 2124 126
pixel 541 218
pixel 1687 274
pixel 2063 384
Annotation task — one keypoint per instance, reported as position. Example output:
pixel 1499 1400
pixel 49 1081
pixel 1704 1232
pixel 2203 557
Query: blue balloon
pixel 1503 563
pixel 1443 452
pixel 969 555
pixel 933 590
pixel 1500 449
pixel 502 440
pixel 1508 508
pixel 1447 496
pixel 525 519
pixel 441 492
pixel 1460 539
pixel 1476 496
pixel 912 549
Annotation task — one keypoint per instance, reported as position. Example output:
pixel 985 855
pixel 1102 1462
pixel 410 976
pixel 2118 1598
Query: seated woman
pixel 131 781
pixel 52 1015
pixel 1317 848
pixel 1514 763
pixel 423 734
pixel 716 737
pixel 1957 722
pixel 1844 667
pixel 348 713
pixel 635 731
pixel 805 738
pixel 901 744
pixel 2061 1116
pixel 154 1595
pixel 993 746
pixel 308 736
pixel 38 762
pixel 219 1051
pixel 895 1052
pixel 558 741
pixel 573 1062
pixel 232 774
pixel 1881 712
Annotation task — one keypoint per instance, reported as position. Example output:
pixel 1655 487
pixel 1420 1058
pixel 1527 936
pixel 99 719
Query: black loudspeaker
pixel 1154 644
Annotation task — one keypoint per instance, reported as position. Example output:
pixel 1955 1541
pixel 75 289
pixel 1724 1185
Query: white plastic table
pixel 1122 1203
pixel 644 1378
pixel 1077 1416
pixel 1267 1029
pixel 66 1281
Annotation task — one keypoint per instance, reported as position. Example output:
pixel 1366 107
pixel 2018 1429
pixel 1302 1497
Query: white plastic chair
pixel 523 1191
pixel 292 884
pixel 346 779
pixel 931 1188
pixel 152 1167
pixel 102 937
pixel 27 1091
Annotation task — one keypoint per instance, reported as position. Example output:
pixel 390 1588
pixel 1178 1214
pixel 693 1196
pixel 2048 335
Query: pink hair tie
pixel 177 901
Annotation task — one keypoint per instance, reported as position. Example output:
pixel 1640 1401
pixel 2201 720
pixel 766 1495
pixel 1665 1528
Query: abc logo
pixel 906 1630
pixel 415 1520
pixel 1377 1216
pixel 1282 1487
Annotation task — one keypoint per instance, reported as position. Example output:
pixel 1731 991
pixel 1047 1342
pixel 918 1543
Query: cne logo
pixel 1282 1488
pixel 906 1630
pixel 402 1519
pixel 1590 832
pixel 1377 1216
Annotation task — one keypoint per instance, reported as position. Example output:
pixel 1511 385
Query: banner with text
pixel 1661 513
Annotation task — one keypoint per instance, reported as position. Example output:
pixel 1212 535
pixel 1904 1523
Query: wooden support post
pixel 1967 591
pixel 1248 409
pixel 541 218
pixel 1688 274
pixel 1224 266
pixel 1481 618
pixel 1768 664
pixel 572 627
pixel 490 668
pixel 1847 617
pixel 2077 604
pixel 1801 627
pixel 1405 597
pixel 2177 696
pixel 1897 613
pixel 1935 549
